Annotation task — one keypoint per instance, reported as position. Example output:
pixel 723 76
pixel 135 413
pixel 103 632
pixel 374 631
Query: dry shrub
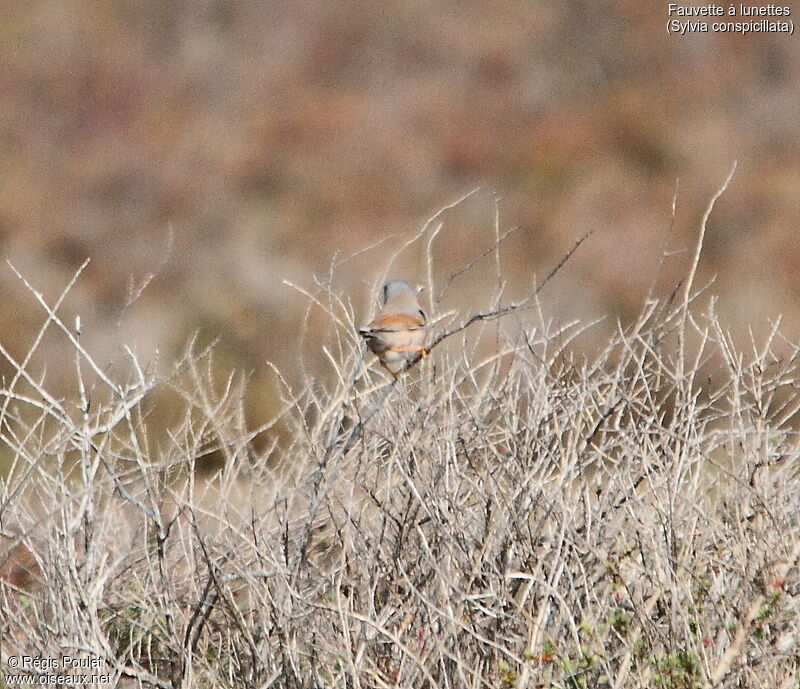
pixel 507 514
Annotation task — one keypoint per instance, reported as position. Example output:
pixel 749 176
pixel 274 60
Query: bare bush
pixel 509 515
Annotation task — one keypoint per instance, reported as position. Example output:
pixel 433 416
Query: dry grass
pixel 506 515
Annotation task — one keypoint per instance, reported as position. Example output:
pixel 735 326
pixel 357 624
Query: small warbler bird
pixel 397 334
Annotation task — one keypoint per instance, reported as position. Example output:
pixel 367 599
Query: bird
pixel 397 334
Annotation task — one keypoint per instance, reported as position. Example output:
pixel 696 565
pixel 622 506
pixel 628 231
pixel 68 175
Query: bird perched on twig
pixel 397 334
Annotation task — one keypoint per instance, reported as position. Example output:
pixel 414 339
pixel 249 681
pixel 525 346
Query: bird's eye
pixel 422 314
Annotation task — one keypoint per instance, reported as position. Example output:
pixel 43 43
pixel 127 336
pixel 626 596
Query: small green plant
pixel 573 676
pixel 678 670
pixel 508 677
pixel 548 650
pixel 768 609
pixel 620 622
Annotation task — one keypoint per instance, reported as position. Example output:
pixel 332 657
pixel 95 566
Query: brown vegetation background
pixel 228 146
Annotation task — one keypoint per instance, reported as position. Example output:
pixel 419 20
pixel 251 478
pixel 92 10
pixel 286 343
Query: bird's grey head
pixel 395 287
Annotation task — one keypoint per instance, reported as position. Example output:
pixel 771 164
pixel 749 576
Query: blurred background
pixel 224 147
